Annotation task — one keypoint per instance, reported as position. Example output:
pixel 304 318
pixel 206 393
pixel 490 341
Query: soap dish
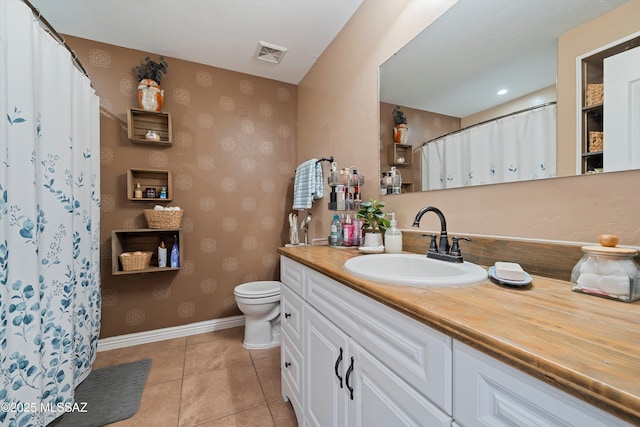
pixel 525 282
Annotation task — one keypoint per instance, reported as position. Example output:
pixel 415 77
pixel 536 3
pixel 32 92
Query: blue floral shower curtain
pixel 49 222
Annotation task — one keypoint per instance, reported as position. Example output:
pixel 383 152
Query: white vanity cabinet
pixel 363 363
pixel 291 318
pixel 488 392
pixel 349 360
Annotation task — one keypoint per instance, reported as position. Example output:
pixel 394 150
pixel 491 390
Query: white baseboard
pixel 169 333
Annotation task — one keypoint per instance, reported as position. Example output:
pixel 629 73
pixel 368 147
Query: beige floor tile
pixel 159 406
pixel 254 417
pixel 269 376
pixel 231 333
pixel 216 354
pixel 211 395
pixel 283 414
pixel 166 364
pixel 269 353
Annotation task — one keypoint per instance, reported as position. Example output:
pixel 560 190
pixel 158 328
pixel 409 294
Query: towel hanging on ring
pixel 307 185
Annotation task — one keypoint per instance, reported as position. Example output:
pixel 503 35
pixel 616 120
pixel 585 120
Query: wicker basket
pixel 595 94
pixel 596 141
pixel 132 261
pixel 163 219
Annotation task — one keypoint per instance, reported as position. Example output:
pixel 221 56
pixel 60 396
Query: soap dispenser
pixel 393 237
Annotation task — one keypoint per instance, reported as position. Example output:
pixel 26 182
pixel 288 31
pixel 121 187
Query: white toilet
pixel 260 303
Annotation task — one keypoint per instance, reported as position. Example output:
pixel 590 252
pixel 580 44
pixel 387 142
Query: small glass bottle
pixel 137 193
pixel 163 192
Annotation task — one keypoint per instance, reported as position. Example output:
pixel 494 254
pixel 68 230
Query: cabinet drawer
pixel 291 307
pixel 416 353
pixel 488 392
pixel 292 274
pixel 291 365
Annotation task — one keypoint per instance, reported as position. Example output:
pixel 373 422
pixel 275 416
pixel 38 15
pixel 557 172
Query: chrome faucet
pixel 305 227
pixel 441 250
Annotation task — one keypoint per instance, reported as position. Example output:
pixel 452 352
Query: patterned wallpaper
pixel 232 160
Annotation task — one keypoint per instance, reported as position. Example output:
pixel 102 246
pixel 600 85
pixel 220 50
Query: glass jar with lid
pixel 607 271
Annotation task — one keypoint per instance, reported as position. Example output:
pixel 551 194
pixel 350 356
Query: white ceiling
pixel 220 33
pixel 458 63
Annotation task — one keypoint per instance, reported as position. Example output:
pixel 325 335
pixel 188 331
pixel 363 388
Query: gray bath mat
pixel 111 394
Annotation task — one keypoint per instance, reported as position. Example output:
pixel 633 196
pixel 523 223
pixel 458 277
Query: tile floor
pixel 206 380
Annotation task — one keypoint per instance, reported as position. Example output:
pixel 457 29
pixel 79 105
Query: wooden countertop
pixel 585 345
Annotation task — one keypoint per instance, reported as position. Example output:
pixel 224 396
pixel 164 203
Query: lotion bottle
pixel 162 254
pixel 393 237
pixel 175 254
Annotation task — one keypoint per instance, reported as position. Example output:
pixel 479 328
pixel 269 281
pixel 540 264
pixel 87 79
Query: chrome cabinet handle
pixel 337 365
pixel 349 371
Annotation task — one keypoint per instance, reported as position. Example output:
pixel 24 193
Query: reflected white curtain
pixel 49 222
pixel 514 148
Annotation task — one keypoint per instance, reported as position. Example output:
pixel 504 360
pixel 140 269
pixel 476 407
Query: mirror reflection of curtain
pixel 49 222
pixel 517 147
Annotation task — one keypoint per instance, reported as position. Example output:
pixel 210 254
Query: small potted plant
pixel 374 222
pixel 150 74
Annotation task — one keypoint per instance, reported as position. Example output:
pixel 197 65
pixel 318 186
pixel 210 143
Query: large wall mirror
pixel 487 71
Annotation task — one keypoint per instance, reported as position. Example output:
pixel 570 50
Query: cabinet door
pixel 488 392
pixel 291 312
pixel 381 398
pixel 292 371
pixel 325 365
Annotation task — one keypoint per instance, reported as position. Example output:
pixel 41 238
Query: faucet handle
pixel 433 246
pixel 455 247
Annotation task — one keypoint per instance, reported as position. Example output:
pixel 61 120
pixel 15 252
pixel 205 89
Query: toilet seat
pixel 262 289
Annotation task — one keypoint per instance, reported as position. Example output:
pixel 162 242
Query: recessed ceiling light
pixel 502 92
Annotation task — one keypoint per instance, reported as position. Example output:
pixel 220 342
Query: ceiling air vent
pixel 271 53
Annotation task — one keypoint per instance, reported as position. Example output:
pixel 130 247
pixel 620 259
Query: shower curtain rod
pixel 49 28
pixel 546 104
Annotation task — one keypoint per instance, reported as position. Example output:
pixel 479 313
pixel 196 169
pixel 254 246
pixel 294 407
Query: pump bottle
pixel 393 237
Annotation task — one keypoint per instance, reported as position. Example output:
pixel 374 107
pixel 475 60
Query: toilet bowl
pixel 260 303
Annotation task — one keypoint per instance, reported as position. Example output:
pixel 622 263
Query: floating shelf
pixel 139 122
pixel 400 155
pixel 145 239
pixel 149 178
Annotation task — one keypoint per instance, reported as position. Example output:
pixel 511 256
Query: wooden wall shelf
pixel 149 178
pixel 144 239
pixel 139 122
pixel 400 155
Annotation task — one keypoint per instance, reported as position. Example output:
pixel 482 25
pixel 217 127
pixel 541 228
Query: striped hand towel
pixel 307 185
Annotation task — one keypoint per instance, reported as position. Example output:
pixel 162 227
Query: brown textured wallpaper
pixel 233 159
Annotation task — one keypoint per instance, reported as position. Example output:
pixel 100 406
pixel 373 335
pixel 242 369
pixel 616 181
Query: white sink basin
pixel 415 270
